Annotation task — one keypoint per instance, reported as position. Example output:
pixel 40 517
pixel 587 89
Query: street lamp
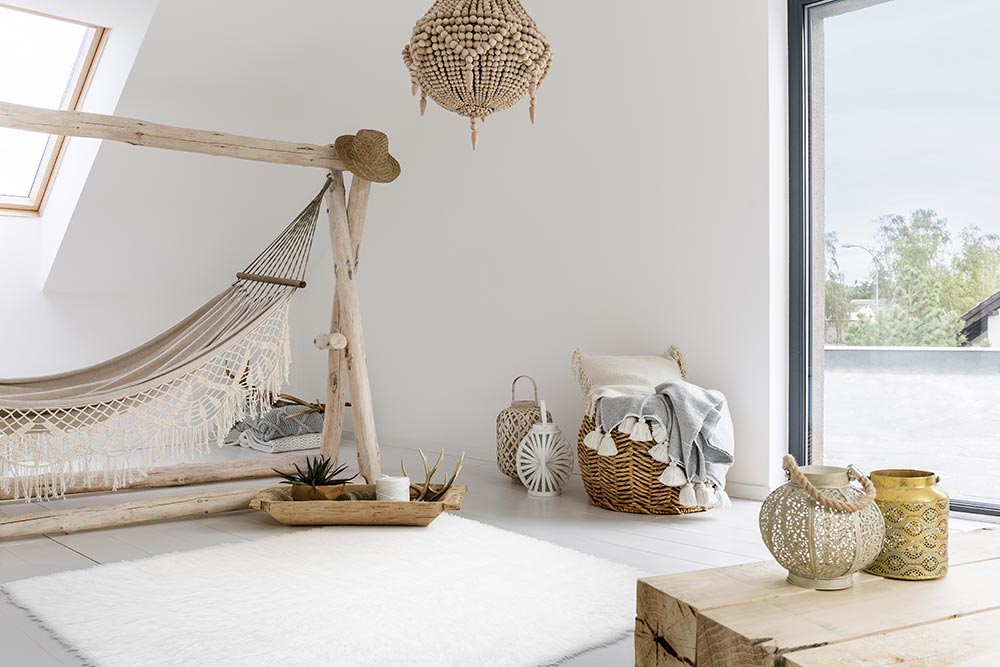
pixel 878 274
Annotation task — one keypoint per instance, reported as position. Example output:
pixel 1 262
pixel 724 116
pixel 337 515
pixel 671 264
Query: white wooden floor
pixel 654 544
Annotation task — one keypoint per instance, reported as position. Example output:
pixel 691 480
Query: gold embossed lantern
pixel 916 525
pixel 820 527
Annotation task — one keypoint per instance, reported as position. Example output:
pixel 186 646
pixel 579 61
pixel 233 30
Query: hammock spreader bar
pixel 299 284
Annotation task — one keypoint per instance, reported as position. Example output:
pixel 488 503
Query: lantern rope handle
pixel 796 475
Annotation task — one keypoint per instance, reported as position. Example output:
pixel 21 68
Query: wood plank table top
pixel 749 616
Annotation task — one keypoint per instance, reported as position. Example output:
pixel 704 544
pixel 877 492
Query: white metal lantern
pixel 821 528
pixel 544 459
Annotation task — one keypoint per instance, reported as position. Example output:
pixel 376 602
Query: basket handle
pixel 796 475
pixel 513 386
pixel 675 353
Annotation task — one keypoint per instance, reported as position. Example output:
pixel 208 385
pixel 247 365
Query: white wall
pixel 644 209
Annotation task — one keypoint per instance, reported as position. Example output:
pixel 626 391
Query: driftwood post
pixel 336 389
pixel 345 264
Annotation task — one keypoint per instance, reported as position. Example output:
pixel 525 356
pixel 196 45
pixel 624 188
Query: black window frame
pixel 800 244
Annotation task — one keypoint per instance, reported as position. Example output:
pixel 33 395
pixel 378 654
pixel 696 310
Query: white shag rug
pixel 455 593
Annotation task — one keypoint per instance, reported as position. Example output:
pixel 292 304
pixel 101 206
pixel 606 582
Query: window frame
pixel 800 245
pixel 34 203
pixel 800 234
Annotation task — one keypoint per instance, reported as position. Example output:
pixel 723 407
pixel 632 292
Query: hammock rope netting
pixel 173 396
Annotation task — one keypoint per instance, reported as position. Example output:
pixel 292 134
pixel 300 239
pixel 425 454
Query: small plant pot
pixel 306 492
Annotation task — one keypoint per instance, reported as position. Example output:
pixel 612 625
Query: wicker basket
pixel 627 481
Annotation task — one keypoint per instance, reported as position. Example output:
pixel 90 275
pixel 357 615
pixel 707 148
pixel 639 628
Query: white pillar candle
pixel 544 412
pixel 392 488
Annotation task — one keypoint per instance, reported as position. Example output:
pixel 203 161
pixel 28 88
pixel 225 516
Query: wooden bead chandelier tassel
pixel 477 57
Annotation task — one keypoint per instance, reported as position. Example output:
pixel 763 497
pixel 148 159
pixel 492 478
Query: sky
pixel 38 57
pixel 912 118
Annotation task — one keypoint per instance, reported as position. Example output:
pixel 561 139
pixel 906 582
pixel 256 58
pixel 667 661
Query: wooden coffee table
pixel 748 616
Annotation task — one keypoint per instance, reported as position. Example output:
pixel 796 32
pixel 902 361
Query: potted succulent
pixel 319 480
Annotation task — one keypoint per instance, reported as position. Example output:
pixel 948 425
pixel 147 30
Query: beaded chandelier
pixel 477 57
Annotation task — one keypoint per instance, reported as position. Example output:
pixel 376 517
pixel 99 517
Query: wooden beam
pixel 196 473
pixel 138 511
pixel 144 133
pixel 336 389
pixel 350 325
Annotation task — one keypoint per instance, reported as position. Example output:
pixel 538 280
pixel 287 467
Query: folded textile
pixel 692 423
pixel 282 422
pixel 291 443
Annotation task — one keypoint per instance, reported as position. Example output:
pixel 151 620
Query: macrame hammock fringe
pixel 171 397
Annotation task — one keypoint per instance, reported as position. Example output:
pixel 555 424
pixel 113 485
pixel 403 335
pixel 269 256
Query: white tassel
pixel 687 497
pixel 673 475
pixel 592 440
pixel 640 432
pixel 607 447
pixel 724 500
pixel 661 453
pixel 701 494
pixel 627 425
pixel 659 432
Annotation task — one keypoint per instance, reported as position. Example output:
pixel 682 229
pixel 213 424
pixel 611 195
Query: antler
pixel 424 491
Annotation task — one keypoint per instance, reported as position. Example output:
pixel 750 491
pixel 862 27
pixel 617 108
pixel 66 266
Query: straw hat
pixel 367 155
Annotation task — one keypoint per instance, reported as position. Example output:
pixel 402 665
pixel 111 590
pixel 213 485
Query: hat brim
pixel 383 171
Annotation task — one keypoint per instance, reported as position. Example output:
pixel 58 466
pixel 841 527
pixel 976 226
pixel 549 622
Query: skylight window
pixel 45 61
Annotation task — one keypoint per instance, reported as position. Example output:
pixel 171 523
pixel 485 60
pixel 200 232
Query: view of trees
pixel 925 283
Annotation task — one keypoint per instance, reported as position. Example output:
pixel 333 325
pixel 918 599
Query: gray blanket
pixel 698 427
pixel 280 423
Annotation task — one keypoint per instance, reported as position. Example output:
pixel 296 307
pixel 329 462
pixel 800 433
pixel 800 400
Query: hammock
pixel 173 395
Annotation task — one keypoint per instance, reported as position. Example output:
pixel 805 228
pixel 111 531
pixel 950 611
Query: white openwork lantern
pixel 821 528
pixel 544 459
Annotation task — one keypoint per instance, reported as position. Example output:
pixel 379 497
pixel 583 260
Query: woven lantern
pixel 820 527
pixel 513 423
pixel 477 57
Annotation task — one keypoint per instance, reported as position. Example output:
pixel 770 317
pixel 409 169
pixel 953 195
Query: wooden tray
pixel 277 502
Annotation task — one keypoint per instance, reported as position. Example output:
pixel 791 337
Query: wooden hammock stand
pixel 347 219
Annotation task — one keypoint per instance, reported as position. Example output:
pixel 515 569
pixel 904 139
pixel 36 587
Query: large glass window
pixel 44 62
pixel 896 238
